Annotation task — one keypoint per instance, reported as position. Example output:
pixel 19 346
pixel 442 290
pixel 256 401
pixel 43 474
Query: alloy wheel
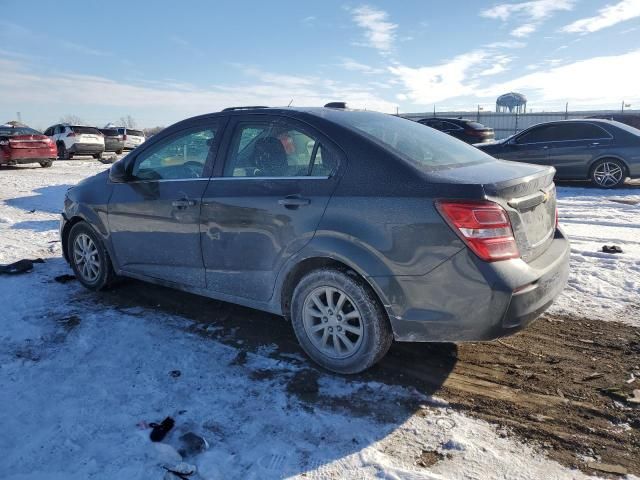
pixel 332 322
pixel 86 258
pixel 608 174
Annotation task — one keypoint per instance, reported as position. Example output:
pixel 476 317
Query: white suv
pixel 76 140
pixel 132 138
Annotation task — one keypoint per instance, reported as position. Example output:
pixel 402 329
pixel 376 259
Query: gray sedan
pixel 604 151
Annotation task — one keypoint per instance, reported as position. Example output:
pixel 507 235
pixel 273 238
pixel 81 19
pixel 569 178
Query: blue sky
pixel 164 61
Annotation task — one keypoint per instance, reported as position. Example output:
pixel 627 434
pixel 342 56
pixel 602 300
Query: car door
pixel 154 218
pixel 265 203
pixel 530 146
pixel 576 145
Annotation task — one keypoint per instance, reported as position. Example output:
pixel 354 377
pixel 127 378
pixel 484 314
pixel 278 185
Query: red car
pixel 20 145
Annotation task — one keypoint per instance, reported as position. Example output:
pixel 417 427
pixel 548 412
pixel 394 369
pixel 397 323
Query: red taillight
pixel 484 226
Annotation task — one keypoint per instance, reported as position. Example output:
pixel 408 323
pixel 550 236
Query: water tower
pixel 511 102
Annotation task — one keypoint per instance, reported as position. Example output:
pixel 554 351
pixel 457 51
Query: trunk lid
pixel 525 191
pixel 29 141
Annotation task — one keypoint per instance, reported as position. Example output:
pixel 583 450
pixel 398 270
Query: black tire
pixel 106 276
pixel 97 156
pixel 119 152
pixel 608 173
pixel 46 164
pixel 376 331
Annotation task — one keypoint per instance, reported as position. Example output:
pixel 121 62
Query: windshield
pixel 8 131
pixel 426 148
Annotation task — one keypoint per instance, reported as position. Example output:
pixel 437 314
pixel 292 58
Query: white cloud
pixel 53 93
pixel 432 84
pixel 595 81
pixel 531 13
pixel 499 65
pixel 354 66
pixel 524 30
pixel 379 32
pixel 606 17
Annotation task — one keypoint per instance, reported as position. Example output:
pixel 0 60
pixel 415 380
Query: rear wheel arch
pixel 310 264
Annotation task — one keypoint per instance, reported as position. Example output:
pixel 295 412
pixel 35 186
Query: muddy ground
pixel 561 384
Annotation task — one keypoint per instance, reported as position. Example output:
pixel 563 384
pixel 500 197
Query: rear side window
pixel 276 149
pixel 425 148
pixel 579 131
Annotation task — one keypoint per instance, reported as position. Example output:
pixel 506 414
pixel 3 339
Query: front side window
pixel 276 149
pixel 544 133
pixel 181 157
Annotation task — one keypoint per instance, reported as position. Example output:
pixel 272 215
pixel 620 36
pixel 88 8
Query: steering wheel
pixel 194 168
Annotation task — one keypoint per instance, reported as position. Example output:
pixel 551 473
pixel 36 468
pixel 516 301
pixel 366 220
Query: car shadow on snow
pixel 48 199
pixel 371 396
pixel 36 225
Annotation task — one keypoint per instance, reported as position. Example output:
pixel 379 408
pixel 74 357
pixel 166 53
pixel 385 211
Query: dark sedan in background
pixel 603 151
pixel 113 140
pixel 360 227
pixel 466 130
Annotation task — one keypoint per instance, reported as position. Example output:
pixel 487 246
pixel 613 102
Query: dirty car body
pixel 453 244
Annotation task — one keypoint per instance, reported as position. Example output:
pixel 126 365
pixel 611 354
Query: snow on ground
pixel 80 376
pixel 602 286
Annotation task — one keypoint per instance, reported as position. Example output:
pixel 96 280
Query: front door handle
pixel 183 203
pixel 292 201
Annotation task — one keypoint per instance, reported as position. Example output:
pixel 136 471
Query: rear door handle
pixel 183 203
pixel 293 201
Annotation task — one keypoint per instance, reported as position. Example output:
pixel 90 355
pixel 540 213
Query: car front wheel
pixel 89 258
pixel 339 321
pixel 608 173
pixel 46 164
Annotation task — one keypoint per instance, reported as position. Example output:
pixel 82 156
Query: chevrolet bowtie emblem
pixel 545 197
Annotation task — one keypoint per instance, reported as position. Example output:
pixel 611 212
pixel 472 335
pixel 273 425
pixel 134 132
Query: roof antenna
pixel 290 103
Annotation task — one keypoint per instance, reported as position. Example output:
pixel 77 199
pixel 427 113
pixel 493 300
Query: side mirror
pixel 118 172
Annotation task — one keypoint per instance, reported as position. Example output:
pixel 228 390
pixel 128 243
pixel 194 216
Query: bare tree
pixel 150 132
pixel 72 119
pixel 128 122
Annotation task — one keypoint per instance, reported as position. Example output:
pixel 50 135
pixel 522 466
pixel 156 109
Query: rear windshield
pixel 426 148
pixel 8 131
pixel 135 133
pixel 111 132
pixel 89 130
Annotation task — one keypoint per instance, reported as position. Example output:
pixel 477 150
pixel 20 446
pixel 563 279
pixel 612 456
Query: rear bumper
pixel 465 299
pixel 113 146
pixel 86 148
pixel 22 161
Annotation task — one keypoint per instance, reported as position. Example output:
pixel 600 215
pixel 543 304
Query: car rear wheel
pixel 89 258
pixel 608 173
pixel 339 321
pixel 97 156
pixel 119 152
pixel 46 164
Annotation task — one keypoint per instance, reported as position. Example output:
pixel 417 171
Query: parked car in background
pixel 19 145
pixel 604 151
pixel 358 226
pixel 132 138
pixel 631 119
pixel 466 130
pixel 73 140
pixel 113 140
